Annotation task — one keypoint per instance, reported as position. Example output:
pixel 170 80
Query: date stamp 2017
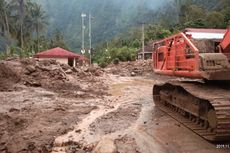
pixel 223 146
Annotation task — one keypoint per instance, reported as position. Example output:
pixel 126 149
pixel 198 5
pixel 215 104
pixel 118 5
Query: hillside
pixel 30 26
pixel 109 17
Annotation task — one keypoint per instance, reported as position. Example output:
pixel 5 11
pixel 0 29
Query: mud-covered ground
pixel 53 108
pixel 132 125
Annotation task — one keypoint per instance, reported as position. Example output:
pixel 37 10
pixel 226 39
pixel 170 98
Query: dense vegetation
pixel 169 19
pixel 28 26
pixel 22 26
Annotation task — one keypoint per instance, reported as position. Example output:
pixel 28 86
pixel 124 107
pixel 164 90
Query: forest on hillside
pixel 30 26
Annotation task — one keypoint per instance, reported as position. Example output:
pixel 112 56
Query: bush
pixel 103 64
pixel 104 61
pixel 115 55
pixel 126 54
pixel 116 61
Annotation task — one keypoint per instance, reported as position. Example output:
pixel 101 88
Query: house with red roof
pixel 60 55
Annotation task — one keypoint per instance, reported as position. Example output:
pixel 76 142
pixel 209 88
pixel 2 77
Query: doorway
pixel 70 61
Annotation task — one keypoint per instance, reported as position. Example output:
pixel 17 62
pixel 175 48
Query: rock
pixel 32 83
pixel 78 131
pixel 74 69
pixel 26 72
pixel 65 67
pixel 30 69
pixel 34 74
pixel 14 110
pixel 82 74
pixel 97 73
pixel 44 68
pixel 106 145
pixel 133 73
pixel 80 94
pixel 133 114
pixel 69 71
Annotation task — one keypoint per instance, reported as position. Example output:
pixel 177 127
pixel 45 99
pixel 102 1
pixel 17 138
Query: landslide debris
pixel 51 75
pixel 41 100
pixel 9 75
pixel 131 68
pixel 120 119
pixel 127 144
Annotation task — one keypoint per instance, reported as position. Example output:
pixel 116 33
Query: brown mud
pixel 50 107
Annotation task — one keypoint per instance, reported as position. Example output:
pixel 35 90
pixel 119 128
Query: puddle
pixel 118 88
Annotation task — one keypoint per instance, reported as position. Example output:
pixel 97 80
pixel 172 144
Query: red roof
pixel 205 30
pixel 58 53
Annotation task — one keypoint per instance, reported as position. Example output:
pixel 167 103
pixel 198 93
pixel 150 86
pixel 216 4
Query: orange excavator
pixel 202 100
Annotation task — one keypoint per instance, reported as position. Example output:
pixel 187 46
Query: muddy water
pixel 133 123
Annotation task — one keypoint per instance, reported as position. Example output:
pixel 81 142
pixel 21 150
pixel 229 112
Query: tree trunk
pixel 37 33
pixel 3 29
pixel 7 23
pixel 21 5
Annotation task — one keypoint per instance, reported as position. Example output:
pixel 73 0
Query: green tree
pixel 154 32
pixel 215 20
pixel 199 23
pixel 190 13
pixel 58 40
pixel 37 20
pixel 21 16
pixel 195 12
pixel 4 17
pixel 226 14
pixel 225 3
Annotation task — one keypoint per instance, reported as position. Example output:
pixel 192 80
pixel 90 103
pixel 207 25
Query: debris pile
pixel 49 74
pixel 204 46
pixel 45 73
pixel 134 68
pixel 44 99
pixel 8 76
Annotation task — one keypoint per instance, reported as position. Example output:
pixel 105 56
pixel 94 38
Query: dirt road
pixel 131 124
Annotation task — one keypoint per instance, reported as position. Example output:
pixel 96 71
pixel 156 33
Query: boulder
pixel 69 71
pixel 106 145
pixel 133 73
pixel 30 69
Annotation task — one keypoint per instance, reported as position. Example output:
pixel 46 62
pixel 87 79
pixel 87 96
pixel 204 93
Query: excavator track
pixel 204 108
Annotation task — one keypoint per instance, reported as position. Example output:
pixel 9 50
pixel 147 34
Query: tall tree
pixel 37 20
pixel 4 17
pixel 215 20
pixel 21 15
pixel 58 40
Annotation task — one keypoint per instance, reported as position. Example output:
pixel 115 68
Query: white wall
pixel 61 60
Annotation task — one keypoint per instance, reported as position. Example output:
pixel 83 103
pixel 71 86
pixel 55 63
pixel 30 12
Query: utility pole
pixel 143 41
pixel 90 40
pixel 83 33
